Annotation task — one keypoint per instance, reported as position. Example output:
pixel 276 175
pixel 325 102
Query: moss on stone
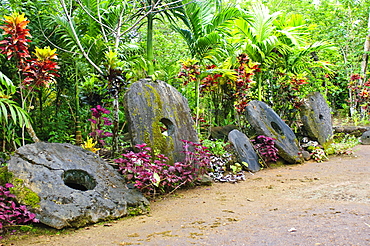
pixel 82 221
pixel 23 194
pixel 5 176
pixel 158 142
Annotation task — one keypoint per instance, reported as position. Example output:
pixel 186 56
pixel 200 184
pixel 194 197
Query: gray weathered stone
pixel 266 122
pixel 244 150
pixel 222 132
pixel 356 131
pixel 316 118
pixel 150 105
pixel 306 155
pixel 75 186
pixel 365 138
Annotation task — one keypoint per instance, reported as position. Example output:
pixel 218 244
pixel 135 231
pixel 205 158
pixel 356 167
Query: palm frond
pixel 262 22
pixel 7 84
pixel 223 17
pixel 9 108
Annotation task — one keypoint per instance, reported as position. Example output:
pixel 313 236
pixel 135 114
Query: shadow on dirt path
pixel 310 204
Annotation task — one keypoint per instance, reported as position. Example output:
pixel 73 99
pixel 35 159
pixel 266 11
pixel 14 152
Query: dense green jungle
pixel 65 66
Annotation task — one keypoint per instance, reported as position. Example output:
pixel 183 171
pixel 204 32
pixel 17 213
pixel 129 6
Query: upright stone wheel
pixel 365 138
pixel 159 116
pixel 266 122
pixel 244 150
pixel 316 118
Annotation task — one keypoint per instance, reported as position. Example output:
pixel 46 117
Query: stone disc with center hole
pixel 159 116
pixel 75 186
pixel 244 150
pixel 266 122
pixel 316 118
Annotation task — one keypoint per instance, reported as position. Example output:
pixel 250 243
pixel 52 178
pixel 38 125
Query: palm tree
pixel 171 9
pixel 205 23
pixel 270 41
pixel 258 37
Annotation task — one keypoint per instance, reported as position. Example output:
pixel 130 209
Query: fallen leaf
pixel 292 229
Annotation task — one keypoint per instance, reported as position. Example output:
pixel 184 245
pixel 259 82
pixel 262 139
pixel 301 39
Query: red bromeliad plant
pixel 190 71
pixel 99 124
pixel 287 95
pixel 364 96
pixel 359 93
pixel 265 146
pixel 10 212
pixel 153 174
pixel 223 90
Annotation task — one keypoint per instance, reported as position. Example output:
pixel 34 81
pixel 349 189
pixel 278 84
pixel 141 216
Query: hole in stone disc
pixel 78 180
pixel 321 116
pixel 277 128
pixel 166 126
pixel 245 146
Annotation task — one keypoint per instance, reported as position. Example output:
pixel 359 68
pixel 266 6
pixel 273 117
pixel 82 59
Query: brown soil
pixel 310 204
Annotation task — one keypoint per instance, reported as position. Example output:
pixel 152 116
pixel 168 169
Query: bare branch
pixel 141 18
pixel 69 19
pixel 53 44
pixel 92 17
pixel 100 21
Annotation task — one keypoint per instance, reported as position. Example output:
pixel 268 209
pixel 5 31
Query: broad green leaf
pixel 157 178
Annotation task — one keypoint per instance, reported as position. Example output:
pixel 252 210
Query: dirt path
pixel 311 204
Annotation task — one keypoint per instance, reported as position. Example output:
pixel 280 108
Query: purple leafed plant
pixel 10 212
pixel 266 148
pixel 99 124
pixel 197 155
pixel 153 174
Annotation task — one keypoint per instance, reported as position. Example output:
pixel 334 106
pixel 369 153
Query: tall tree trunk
pixel 364 63
pixel 115 125
pixel 365 56
pixel 149 44
pixel 32 133
pixel 259 86
pixel 78 137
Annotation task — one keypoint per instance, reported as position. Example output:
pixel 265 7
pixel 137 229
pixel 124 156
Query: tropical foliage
pixel 65 65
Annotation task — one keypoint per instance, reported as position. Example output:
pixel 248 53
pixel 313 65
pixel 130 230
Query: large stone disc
pixel 75 186
pixel 244 150
pixel 266 122
pixel 316 118
pixel 150 105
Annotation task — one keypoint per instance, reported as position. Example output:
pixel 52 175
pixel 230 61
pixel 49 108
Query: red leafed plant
pixel 15 41
pixel 245 72
pixel 39 71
